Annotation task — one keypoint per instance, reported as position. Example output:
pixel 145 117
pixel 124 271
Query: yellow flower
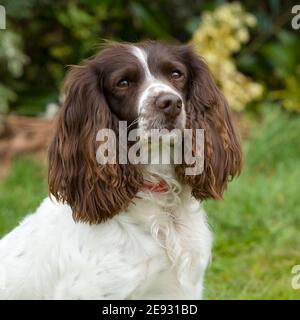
pixel 243 35
pixel 221 33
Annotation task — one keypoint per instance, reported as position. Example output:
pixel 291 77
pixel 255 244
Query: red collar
pixel 160 187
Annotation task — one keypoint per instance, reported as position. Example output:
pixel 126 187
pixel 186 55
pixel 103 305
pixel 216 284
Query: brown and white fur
pixel 105 236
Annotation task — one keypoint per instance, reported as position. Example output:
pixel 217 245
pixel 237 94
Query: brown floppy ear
pixel 94 192
pixel 207 109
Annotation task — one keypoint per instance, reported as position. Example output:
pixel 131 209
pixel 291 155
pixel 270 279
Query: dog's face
pixel 152 85
pixel 146 84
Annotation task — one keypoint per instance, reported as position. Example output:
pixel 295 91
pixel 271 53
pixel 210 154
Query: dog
pixel 125 231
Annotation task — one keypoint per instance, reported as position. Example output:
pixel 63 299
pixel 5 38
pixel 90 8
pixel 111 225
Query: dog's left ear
pixel 207 109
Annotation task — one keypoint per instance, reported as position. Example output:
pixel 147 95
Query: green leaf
pixel 148 22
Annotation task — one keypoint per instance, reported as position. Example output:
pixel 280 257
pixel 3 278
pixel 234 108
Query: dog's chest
pixel 147 253
pixel 181 244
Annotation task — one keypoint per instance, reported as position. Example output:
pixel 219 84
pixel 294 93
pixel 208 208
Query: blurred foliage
pixel 284 56
pixel 220 35
pixel 45 36
pixel 13 58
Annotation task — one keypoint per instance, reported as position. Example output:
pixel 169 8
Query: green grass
pixel 256 227
pixel 21 192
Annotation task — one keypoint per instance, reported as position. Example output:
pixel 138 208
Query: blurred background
pixel 254 55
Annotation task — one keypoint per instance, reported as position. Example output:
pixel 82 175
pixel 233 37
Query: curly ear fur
pixel 207 109
pixel 94 192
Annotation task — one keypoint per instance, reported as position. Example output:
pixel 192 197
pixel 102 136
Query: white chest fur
pixel 146 252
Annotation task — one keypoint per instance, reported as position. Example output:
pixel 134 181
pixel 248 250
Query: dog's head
pixel 151 85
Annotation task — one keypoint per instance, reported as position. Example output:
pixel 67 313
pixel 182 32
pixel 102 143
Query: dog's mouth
pixel 161 122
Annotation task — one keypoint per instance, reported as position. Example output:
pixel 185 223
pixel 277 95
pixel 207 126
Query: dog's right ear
pixel 208 109
pixel 94 192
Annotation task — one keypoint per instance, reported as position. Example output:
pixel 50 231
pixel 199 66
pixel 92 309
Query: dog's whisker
pixel 135 121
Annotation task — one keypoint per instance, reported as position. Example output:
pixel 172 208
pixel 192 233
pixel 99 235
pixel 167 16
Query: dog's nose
pixel 170 104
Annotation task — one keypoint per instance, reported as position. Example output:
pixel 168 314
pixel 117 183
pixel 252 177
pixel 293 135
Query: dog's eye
pixel 123 83
pixel 176 74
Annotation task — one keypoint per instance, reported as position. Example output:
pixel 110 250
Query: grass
pixel 256 227
pixel 21 192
